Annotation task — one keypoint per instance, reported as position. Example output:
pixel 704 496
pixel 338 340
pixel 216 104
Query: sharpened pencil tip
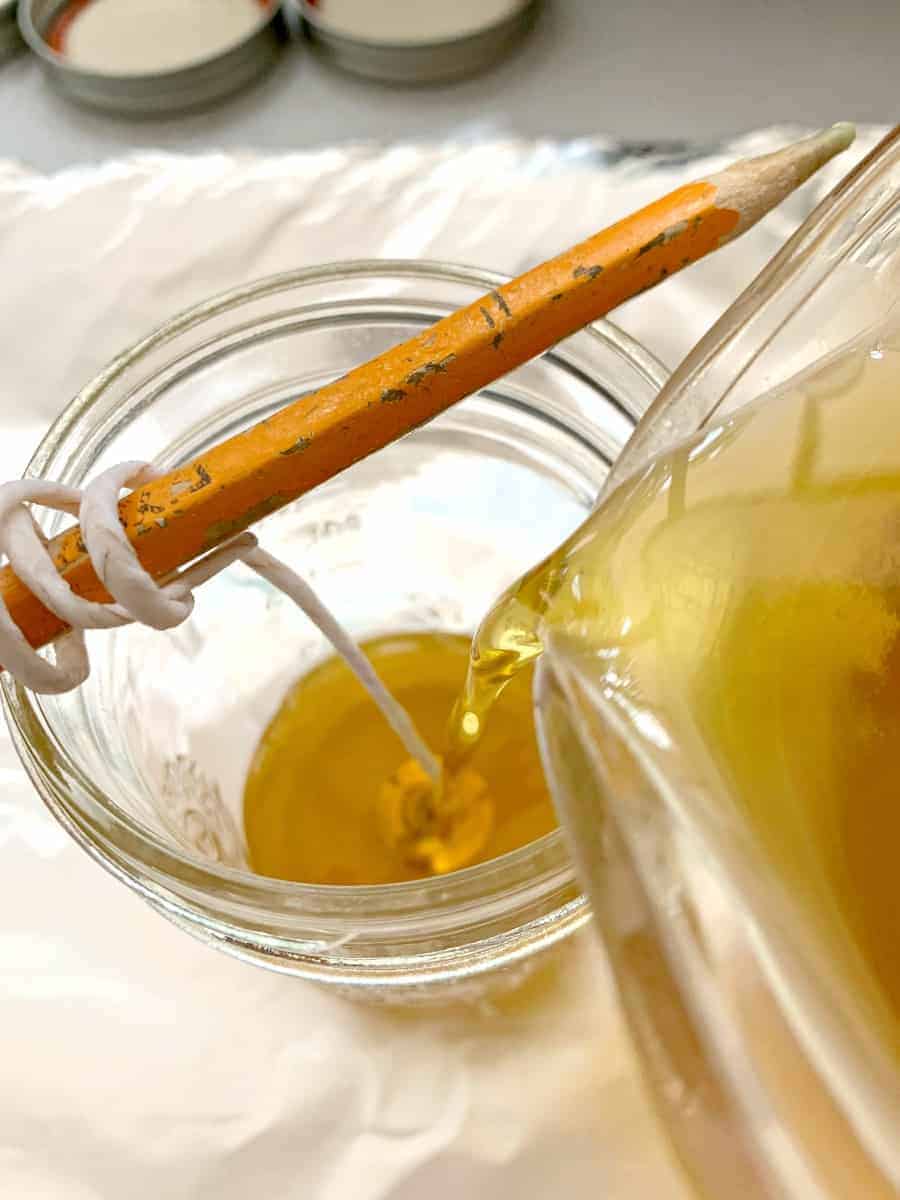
pixel 813 152
pixel 754 186
pixel 834 140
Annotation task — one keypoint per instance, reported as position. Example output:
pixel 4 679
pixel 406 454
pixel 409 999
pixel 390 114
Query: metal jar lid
pixel 10 38
pixel 150 93
pixel 416 57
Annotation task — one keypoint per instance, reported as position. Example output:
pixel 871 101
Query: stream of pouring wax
pixel 330 799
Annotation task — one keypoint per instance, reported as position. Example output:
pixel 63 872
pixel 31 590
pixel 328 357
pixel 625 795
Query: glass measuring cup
pixel 770 1073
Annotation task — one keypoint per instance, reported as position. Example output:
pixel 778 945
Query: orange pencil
pixel 193 509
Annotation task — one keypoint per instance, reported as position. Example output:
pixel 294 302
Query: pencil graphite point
pixel 841 136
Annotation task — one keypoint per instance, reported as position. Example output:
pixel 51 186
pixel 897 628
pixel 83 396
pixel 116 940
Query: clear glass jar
pixel 144 764
pixel 774 1076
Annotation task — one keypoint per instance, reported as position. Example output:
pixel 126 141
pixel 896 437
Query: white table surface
pixel 644 70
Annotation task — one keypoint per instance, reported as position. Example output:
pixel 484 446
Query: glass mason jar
pixel 773 1075
pixel 144 764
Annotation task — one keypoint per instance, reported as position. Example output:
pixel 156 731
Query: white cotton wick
pixel 137 595
pixel 26 550
pixel 112 555
pixel 282 577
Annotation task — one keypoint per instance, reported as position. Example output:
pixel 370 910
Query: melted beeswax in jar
pixel 331 796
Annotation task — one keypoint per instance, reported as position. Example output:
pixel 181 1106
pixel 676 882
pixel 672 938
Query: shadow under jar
pixel 145 764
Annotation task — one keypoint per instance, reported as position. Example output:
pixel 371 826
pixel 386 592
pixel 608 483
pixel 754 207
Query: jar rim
pixel 90 823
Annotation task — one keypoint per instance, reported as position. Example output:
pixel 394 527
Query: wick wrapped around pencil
pixel 176 518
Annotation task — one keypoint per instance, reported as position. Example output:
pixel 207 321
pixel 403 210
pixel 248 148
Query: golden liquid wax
pixel 744 593
pixel 314 793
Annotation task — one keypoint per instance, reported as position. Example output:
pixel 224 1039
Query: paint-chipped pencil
pixel 238 482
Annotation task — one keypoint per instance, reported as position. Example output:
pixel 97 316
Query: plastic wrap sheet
pixel 136 1062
